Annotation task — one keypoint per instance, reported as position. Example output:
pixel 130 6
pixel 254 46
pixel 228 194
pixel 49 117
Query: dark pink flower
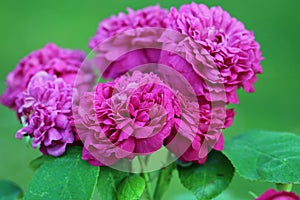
pixel 271 194
pixel 128 40
pixel 197 129
pixel 152 16
pixel 127 117
pixel 232 47
pixel 195 65
pixel 45 110
pixel 63 63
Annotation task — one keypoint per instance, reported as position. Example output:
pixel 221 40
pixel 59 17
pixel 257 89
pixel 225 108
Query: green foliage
pixel 108 182
pixel 9 190
pixel 66 177
pixel 266 156
pixel 131 188
pixel 208 180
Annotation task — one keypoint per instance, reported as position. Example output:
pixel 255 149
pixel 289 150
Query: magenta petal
pixel 51 136
pixel 219 146
pixel 125 148
pixel 56 150
pixel 62 121
pixel 148 145
pixel 91 160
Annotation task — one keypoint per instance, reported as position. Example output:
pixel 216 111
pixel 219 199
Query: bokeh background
pixel 29 25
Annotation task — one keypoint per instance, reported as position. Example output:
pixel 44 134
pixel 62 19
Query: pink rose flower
pixel 152 16
pixel 128 40
pixel 127 117
pixel 195 65
pixel 271 194
pixel 63 63
pixel 232 47
pixel 45 110
pixel 197 130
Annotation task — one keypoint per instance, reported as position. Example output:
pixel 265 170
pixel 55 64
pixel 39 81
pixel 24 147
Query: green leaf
pixel 9 190
pixel 163 182
pixel 208 180
pixel 266 156
pixel 108 181
pixel 36 163
pixel 66 177
pixel 131 188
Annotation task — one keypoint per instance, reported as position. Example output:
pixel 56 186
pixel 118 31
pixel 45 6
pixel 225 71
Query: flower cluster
pixel 142 109
pixel 220 43
pixel 136 114
pixel 212 51
pixel 40 90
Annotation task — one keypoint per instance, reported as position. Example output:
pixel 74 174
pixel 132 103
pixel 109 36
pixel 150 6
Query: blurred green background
pixel 28 25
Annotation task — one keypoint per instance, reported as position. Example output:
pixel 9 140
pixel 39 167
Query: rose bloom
pixel 127 117
pixel 195 65
pixel 233 48
pixel 63 63
pixel 128 40
pixel 271 194
pixel 197 129
pixel 45 110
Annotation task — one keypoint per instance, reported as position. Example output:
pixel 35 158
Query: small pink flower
pixel 271 194
pixel 45 109
pixel 63 63
pixel 152 16
pixel 197 130
pixel 128 40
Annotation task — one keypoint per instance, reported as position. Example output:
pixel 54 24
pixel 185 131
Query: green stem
pixel 146 177
pixel 163 181
pixel 285 187
pixel 253 194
